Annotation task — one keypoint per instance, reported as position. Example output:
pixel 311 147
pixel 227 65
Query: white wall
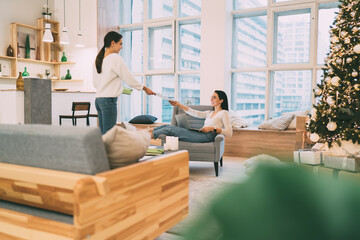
pixel 216 25
pixel 27 12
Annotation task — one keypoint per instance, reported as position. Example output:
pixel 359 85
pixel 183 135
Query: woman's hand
pixel 207 129
pixel 148 91
pixel 174 103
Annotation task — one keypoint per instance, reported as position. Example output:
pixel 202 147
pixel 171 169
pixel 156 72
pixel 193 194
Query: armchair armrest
pixel 219 146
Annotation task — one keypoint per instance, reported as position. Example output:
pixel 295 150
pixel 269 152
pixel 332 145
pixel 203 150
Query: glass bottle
pixel 20 82
pixel 10 51
pixel 25 73
pixel 68 75
pixel 63 58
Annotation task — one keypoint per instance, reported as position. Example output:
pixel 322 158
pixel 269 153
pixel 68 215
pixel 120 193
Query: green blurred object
pixel 25 73
pixel 281 203
pixel 27 47
pixel 63 58
pixel 68 75
pixel 127 91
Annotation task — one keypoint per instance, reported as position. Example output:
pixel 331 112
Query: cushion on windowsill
pixel 279 123
pixel 292 125
pixel 143 119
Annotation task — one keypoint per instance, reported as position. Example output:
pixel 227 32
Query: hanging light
pixel 80 37
pixel 47 34
pixel 64 35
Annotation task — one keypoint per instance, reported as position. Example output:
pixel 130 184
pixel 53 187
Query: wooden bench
pixel 139 201
pixel 248 142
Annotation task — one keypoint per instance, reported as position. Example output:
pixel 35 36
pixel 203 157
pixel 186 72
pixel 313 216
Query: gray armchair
pixel 207 152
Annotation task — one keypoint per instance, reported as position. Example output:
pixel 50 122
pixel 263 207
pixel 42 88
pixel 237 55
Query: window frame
pixel 175 21
pixel 271 67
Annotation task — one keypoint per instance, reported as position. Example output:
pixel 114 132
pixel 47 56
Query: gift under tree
pixel 336 117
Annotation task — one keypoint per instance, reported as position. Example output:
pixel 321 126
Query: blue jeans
pixel 184 134
pixel 107 111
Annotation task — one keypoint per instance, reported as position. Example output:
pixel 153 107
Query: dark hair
pixel 222 96
pixel 109 37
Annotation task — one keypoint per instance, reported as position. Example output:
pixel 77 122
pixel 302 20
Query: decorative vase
pixel 27 46
pixel 20 82
pixel 25 73
pixel 63 58
pixel 68 75
pixel 10 51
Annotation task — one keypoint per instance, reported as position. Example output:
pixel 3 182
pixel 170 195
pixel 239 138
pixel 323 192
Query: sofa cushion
pixel 124 146
pixel 72 149
pixel 279 123
pixel 182 120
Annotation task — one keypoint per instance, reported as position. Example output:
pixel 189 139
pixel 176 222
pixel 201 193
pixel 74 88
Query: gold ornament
pixel 357 49
pixel 314 137
pixel 335 81
pixel 334 39
pixel 347 40
pixel 349 60
pixel 354 74
pixel 331 126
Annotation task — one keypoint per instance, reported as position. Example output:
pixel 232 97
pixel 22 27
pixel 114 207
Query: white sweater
pixel 109 83
pixel 220 120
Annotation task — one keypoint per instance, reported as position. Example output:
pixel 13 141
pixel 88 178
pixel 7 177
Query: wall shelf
pixel 49 53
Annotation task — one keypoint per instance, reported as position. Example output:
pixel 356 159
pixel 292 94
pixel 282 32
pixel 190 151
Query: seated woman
pixel 216 121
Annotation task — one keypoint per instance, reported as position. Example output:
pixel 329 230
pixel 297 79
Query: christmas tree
pixel 336 117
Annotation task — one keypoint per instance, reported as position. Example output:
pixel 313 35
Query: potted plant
pixel 46 12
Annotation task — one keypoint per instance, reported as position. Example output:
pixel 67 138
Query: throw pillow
pixel 292 125
pixel 252 163
pixel 279 123
pixel 182 120
pixel 124 147
pixel 143 119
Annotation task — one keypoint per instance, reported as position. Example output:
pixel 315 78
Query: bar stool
pixel 76 107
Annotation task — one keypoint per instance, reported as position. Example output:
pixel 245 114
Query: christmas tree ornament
pixel 331 126
pixel 354 74
pixel 355 29
pixel 347 40
pixel 335 81
pixel 314 137
pixel 357 49
pixel 343 34
pixel 334 39
pixel 318 91
pixel 338 61
pixel 331 71
pixel 327 79
pixel 352 14
pixel 348 60
pixel 357 87
pixel 330 100
pixel 313 113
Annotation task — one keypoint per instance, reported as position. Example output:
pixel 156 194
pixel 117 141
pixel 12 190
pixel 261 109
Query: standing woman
pixel 110 73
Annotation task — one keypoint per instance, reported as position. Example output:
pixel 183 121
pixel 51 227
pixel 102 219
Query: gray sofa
pixel 56 183
pixel 206 152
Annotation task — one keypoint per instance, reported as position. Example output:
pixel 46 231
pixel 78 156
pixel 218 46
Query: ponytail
pixel 109 37
pixel 99 59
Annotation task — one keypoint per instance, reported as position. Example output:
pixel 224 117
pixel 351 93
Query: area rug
pixel 201 191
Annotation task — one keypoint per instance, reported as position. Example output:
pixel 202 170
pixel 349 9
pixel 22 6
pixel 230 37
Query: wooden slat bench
pixel 139 201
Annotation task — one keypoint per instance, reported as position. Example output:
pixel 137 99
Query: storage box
pixel 351 164
pixel 308 156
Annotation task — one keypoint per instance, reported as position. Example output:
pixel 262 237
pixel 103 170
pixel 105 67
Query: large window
pixel 162 47
pixel 279 47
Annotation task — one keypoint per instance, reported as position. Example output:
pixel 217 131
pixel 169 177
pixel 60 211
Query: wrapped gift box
pixel 351 164
pixel 308 156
